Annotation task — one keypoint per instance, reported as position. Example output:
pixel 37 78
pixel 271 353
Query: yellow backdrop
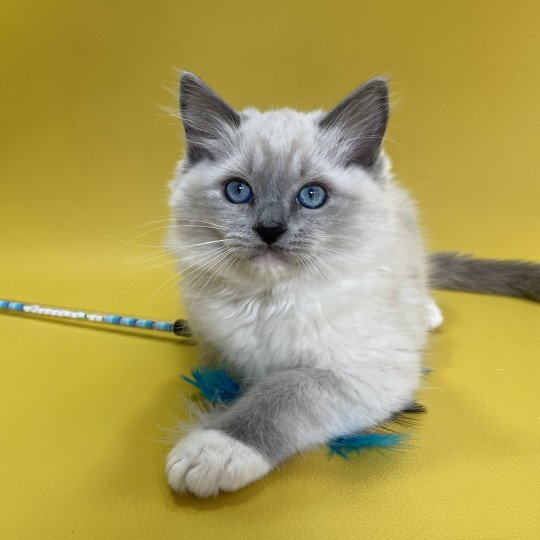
pixel 86 152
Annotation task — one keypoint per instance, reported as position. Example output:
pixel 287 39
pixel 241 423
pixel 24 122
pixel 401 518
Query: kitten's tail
pixel 449 270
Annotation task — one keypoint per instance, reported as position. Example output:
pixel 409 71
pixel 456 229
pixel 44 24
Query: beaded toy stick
pixel 178 327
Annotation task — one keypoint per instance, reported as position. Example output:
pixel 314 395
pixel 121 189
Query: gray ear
pixel 360 120
pixel 207 118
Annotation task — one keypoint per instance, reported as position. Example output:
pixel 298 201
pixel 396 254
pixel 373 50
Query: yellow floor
pixel 85 155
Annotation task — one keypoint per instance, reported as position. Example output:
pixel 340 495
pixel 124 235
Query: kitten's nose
pixel 270 233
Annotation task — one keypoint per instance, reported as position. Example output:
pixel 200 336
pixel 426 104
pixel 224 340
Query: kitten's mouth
pixel 269 255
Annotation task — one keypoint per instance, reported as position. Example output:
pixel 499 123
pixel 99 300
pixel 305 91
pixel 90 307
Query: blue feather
pixel 216 386
pixel 344 446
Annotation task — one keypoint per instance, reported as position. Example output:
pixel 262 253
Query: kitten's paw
pixel 435 317
pixel 207 461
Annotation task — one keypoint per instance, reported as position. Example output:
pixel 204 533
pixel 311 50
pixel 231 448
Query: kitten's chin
pixel 269 256
pixel 271 261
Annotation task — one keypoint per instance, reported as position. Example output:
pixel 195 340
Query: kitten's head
pixel 280 193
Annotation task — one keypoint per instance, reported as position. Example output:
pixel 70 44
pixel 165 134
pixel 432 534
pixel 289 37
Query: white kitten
pixel 305 277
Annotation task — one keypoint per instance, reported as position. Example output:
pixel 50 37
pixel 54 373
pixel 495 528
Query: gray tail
pixel 457 272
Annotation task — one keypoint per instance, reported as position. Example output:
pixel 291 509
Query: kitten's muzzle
pixel 270 233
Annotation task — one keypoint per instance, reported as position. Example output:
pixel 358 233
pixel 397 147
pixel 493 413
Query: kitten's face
pixel 271 194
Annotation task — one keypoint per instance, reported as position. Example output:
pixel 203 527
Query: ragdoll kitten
pixel 305 277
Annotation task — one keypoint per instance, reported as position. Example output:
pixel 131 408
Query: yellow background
pixel 86 153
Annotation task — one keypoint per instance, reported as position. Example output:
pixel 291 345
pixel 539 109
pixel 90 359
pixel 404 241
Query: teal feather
pixel 344 446
pixel 215 385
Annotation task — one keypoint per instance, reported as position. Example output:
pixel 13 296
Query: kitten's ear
pixel 207 118
pixel 360 120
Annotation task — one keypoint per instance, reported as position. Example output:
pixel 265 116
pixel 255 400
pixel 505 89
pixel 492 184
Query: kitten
pixel 305 277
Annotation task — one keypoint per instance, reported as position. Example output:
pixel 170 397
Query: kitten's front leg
pixel 287 412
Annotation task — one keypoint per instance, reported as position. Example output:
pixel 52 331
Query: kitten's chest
pixel 340 325
pixel 258 335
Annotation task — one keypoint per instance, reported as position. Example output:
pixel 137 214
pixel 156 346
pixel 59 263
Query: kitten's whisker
pixel 306 263
pixel 156 296
pixel 338 253
pixel 198 264
pixel 333 252
pixel 170 223
pixel 308 268
pixel 145 224
pixel 234 263
pixel 137 270
pixel 147 257
pixel 210 255
pixel 221 269
pixel 233 269
pixel 205 271
pixel 324 275
pixel 226 265
pixel 189 257
pixel 329 266
pixel 165 227
pixel 209 227
pixel 131 243
pixel 195 221
pixel 315 268
pixel 201 244
pixel 178 276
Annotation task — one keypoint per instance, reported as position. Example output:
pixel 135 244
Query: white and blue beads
pixel 119 320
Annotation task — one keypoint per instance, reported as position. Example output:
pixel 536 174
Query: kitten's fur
pixel 326 327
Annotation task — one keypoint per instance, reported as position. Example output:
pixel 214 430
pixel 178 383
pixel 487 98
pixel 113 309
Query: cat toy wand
pixel 178 327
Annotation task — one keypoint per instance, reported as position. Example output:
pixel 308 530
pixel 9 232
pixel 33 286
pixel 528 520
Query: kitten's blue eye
pixel 238 191
pixel 312 196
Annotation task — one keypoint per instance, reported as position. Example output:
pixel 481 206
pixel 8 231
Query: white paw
pixel 435 318
pixel 207 461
